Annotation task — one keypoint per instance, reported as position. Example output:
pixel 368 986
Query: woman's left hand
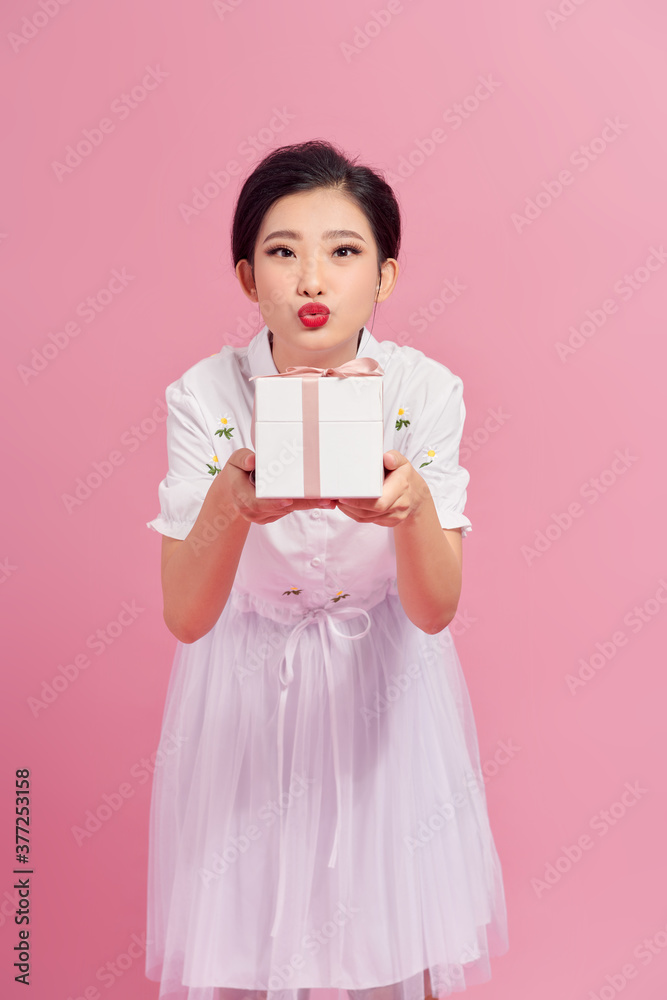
pixel 403 493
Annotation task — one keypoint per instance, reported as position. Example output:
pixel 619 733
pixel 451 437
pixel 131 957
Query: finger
pixel 298 503
pixel 270 520
pixel 371 507
pixel 245 494
pixel 360 503
pixel 355 513
pixel 349 512
pixel 306 503
pixel 242 458
pixel 358 511
pixel 395 457
pixel 271 506
pixel 268 515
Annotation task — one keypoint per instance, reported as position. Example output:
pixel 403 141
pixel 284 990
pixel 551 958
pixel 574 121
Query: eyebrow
pixel 330 234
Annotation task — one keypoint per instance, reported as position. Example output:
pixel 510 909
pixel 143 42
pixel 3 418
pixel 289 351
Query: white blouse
pixel 310 558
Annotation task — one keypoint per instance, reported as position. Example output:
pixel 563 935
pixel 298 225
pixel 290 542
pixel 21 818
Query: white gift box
pixel 338 454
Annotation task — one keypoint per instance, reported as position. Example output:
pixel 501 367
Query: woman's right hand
pixel 241 492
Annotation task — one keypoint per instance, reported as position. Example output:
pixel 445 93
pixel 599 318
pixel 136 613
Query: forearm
pixel 198 575
pixel 427 569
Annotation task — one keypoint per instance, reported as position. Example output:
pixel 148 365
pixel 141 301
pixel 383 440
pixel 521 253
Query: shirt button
pixel 316 514
pixel 316 561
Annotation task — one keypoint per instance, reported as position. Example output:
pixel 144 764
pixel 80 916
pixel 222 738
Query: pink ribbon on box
pixel 310 402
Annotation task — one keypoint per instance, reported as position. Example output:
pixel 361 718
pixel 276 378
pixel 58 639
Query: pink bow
pixel 359 366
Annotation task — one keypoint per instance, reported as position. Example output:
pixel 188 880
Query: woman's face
pixel 316 247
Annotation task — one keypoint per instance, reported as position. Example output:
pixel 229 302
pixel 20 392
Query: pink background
pixel 597 586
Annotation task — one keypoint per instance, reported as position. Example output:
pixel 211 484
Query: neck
pixel 316 363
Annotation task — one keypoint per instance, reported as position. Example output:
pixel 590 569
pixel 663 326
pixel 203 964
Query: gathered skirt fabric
pixel 380 772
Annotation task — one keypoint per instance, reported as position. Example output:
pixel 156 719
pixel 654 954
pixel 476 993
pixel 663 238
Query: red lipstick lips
pixel 313 314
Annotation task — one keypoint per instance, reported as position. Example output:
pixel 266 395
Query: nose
pixel 311 280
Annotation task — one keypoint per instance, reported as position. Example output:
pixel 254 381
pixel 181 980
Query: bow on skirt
pixel 324 618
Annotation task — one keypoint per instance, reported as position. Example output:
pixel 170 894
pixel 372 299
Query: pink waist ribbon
pixel 311 410
pixel 324 618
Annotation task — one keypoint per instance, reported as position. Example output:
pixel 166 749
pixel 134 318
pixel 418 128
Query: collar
pixel 260 359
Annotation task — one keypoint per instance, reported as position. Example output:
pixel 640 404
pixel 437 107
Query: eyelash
pixel 344 246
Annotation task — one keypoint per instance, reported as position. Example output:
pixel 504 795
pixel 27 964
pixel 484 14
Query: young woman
pixel 324 823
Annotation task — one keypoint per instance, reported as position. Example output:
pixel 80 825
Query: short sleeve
pixel 436 418
pixel 190 457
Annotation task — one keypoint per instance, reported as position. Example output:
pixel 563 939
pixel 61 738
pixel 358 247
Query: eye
pixel 275 251
pixel 355 249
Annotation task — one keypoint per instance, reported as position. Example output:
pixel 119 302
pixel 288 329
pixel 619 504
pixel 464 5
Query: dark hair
pixel 303 167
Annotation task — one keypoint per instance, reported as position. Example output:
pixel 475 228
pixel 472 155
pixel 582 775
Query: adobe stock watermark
pixel 420 319
pixel 268 470
pixel 425 316
pixel 7 569
pixel 88 310
pixel 441 817
pixel 601 823
pixel 11 903
pixel 226 514
pixel 364 34
pixel 402 681
pixel 455 977
pixel 310 944
pixel 102 470
pixel 644 951
pixel 454 117
pixel 114 969
pixel 581 158
pixel 563 12
pixel 444 812
pixel 625 288
pixel 224 7
pixel 472 442
pixel 221 861
pixel 32 24
pixel 591 491
pixel 258 658
pixel 121 107
pixel 248 150
pixel 636 619
pixel 98 642
pixel 211 529
pixel 112 802
pixel 246 328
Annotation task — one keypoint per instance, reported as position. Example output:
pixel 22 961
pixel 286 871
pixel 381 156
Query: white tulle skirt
pixel 318 815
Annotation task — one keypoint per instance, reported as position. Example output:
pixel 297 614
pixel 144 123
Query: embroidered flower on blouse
pixel 292 590
pixel 430 454
pixel 401 420
pixel 339 596
pixel 225 429
pixel 213 469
